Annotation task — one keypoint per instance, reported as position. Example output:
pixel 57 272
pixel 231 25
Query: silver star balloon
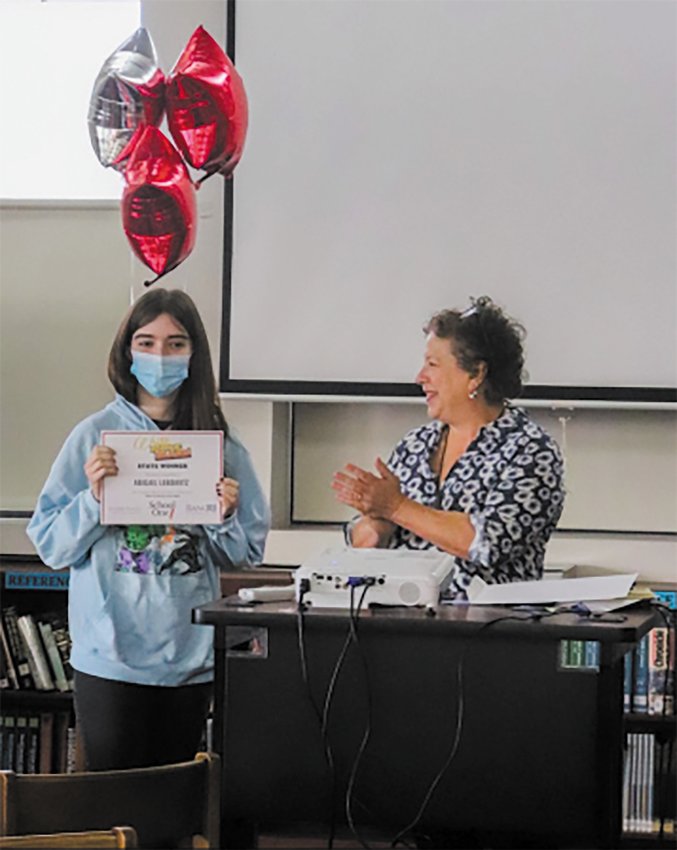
pixel 128 95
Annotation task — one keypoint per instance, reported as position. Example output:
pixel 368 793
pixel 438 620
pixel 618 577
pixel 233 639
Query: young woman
pixel 143 671
pixel 482 480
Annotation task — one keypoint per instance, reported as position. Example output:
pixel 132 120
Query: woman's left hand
pixel 371 495
pixel 228 491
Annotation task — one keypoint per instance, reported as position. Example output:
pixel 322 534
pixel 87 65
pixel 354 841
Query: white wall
pixel 621 477
pixel 600 494
pixel 67 274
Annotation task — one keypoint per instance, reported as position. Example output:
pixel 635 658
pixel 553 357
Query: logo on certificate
pixel 161 509
pixel 163 448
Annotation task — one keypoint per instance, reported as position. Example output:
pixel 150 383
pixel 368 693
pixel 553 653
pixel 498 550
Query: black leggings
pixel 124 725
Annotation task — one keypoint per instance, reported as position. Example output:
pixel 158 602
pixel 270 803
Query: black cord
pixel 354 614
pixel 329 695
pixel 323 715
pixel 329 756
pixel 460 702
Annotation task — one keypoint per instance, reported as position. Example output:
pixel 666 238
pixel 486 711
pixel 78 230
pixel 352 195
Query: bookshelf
pixel 38 730
pixel 37 720
pixel 650 768
pixel 649 775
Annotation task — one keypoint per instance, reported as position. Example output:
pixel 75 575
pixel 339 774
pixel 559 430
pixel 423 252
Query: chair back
pixel 108 839
pixel 167 806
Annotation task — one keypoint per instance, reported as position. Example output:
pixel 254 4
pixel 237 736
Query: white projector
pixel 390 576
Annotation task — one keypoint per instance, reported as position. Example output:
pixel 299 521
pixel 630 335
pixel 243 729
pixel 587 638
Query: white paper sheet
pixel 551 590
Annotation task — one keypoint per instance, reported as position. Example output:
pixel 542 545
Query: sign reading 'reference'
pixel 164 477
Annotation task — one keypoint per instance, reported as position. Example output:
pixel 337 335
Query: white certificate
pixel 164 478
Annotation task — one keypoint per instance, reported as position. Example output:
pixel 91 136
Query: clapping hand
pixel 377 496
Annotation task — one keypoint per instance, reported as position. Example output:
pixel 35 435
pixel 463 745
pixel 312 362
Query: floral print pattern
pixel 510 483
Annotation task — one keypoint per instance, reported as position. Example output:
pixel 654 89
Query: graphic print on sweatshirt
pixel 156 550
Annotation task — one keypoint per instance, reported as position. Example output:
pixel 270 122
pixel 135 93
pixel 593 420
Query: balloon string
pixel 155 279
pixel 206 177
pixel 209 174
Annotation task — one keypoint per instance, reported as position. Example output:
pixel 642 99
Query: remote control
pixel 267 593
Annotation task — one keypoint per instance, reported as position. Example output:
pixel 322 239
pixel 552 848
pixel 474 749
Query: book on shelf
pixel 661 676
pixel 647 782
pixel 628 680
pixel 10 667
pixel 71 749
pixel 579 654
pixel 33 744
pixel 563 653
pixel 666 597
pixel 62 722
pixel 650 782
pixel 640 810
pixel 649 670
pixel 591 654
pixel 5 680
pixel 46 743
pixel 62 638
pixel 662 655
pixel 640 788
pixel 640 696
pixel 54 656
pixel 8 741
pixel 17 649
pixel 576 653
pixel 630 783
pixel 38 743
pixel 626 797
pixel 21 726
pixel 35 651
pixel 635 816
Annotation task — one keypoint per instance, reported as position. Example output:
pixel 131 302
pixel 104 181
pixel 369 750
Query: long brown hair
pixel 197 405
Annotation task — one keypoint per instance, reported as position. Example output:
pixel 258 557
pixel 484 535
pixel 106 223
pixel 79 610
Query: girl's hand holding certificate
pixel 228 491
pixel 100 463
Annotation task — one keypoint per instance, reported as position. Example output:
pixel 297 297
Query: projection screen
pixel 404 156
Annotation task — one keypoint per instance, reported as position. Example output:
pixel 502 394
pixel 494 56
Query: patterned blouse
pixel 510 482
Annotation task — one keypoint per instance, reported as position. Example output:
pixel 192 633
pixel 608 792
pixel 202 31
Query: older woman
pixel 482 480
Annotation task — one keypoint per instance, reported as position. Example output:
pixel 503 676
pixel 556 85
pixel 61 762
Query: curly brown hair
pixel 483 333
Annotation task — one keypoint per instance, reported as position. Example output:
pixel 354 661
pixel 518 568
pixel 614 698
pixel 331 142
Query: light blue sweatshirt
pixel 132 589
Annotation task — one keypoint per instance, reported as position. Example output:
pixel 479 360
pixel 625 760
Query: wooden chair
pixel 174 805
pixel 95 839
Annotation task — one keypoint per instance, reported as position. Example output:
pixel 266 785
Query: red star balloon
pixel 128 94
pixel 207 106
pixel 158 204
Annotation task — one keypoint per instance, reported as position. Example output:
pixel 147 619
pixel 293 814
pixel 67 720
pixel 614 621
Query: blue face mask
pixel 158 375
